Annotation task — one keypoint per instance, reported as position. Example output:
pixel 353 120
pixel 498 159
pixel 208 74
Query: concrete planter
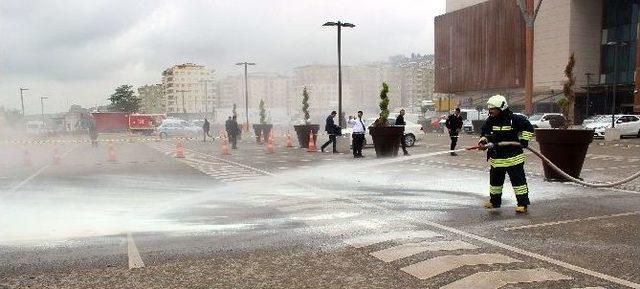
pixel 265 129
pixel 303 132
pixel 386 139
pixel 566 148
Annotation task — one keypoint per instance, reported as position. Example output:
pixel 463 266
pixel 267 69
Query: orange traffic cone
pixel 56 156
pixel 27 158
pixel 270 147
pixel 179 150
pixel 312 143
pixel 224 145
pixel 289 142
pixel 111 155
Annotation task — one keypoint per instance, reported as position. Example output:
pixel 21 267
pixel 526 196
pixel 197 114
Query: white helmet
pixel 497 101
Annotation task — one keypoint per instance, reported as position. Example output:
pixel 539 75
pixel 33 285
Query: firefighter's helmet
pixel 497 101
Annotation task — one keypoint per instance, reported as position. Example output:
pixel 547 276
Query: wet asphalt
pixel 285 220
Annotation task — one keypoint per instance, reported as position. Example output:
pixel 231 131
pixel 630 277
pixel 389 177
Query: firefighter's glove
pixel 524 143
pixel 482 146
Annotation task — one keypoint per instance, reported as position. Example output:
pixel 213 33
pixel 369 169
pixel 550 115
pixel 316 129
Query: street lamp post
pixel 246 92
pixel 615 46
pixel 588 102
pixel 339 25
pixel 42 108
pixel 22 99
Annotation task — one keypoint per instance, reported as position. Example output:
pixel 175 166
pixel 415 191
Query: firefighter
pixel 504 126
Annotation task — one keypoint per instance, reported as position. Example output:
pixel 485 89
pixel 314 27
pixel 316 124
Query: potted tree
pixel 263 127
pixel 564 145
pixel 303 130
pixel 386 137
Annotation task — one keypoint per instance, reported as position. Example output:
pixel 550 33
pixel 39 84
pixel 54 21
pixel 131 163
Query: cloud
pixel 65 45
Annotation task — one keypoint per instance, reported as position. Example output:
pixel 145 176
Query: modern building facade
pixel 152 99
pixel 190 90
pixel 480 48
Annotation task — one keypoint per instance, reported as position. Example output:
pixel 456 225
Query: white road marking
pixel 534 255
pixel 406 250
pixel 571 221
pixel 364 241
pixel 135 261
pixel 497 279
pixel 438 265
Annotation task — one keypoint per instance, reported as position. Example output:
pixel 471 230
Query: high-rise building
pixel 190 90
pixel 486 57
pixel 273 88
pixel 152 99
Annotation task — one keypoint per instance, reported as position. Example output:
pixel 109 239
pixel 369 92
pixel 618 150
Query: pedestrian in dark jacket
pixel 206 127
pixel 233 130
pixel 400 121
pixel 454 125
pixel 332 130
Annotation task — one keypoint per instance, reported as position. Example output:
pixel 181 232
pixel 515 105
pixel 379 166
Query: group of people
pixel 231 127
pixel 358 131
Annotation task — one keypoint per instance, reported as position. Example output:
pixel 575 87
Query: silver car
pixel 178 128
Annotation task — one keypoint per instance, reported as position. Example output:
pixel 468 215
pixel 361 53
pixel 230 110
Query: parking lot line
pixel 571 221
pixel 135 261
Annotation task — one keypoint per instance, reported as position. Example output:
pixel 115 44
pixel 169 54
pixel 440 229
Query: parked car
pixel 628 124
pixel 178 128
pixel 412 131
pixel 542 120
pixel 595 118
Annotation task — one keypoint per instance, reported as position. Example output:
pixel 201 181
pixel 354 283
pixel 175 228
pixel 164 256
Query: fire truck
pixel 111 122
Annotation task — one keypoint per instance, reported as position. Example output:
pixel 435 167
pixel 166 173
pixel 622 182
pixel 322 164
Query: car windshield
pixel 535 117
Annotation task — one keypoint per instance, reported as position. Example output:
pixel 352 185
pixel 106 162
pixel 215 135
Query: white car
pixel 628 124
pixel 178 128
pixel 412 131
pixel 542 120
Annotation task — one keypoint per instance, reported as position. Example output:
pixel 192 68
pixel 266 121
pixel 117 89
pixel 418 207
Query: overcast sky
pixel 79 51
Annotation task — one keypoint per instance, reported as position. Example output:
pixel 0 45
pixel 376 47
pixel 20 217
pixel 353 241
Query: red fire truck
pixel 109 122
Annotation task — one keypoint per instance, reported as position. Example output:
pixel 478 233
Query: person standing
pixel 504 126
pixel 359 129
pixel 332 130
pixel 205 130
pixel 400 121
pixel 454 125
pixel 233 130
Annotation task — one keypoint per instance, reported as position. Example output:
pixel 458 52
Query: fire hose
pixel 557 169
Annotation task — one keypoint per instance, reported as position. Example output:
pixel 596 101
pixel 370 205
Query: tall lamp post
pixel 339 25
pixel 22 99
pixel 42 107
pixel 615 46
pixel 246 92
pixel 588 102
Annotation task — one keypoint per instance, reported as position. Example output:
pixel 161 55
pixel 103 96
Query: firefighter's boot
pixel 490 205
pixel 521 209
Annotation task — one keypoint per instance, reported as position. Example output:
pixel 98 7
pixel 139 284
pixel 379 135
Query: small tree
pixel 384 106
pixel 233 111
pixel 124 100
pixel 305 105
pixel 568 102
pixel 263 113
